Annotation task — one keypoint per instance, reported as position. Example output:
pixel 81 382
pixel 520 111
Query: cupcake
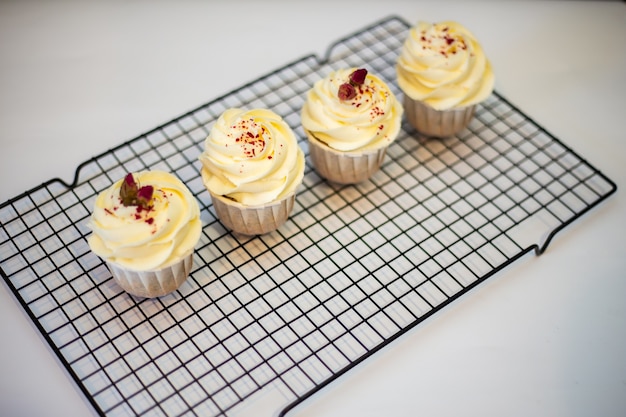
pixel 145 227
pixel 443 72
pixel 350 118
pixel 252 166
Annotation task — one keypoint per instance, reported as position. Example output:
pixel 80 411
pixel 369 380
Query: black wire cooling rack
pixel 281 315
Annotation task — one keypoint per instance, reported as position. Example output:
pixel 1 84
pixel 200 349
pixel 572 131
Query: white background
pixel 546 337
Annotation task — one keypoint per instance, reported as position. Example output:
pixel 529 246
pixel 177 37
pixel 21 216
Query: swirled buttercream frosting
pixel 252 157
pixel 444 66
pixel 154 226
pixel 352 110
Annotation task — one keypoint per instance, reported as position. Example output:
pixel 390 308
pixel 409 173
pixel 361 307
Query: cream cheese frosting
pixel 146 238
pixel 444 66
pixel 252 157
pixel 371 119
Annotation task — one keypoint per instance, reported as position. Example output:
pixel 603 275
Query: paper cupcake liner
pixel 344 167
pixel 252 220
pixel 437 123
pixel 152 284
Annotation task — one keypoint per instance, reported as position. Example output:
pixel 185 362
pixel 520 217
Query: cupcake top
pixel 252 157
pixel 350 110
pixel 145 221
pixel 444 66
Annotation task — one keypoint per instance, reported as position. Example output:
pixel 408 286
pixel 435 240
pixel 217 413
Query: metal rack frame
pixel 354 267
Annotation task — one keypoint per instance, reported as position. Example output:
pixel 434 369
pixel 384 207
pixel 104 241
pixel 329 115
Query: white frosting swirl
pixel 444 66
pixel 146 239
pixel 252 156
pixel 370 120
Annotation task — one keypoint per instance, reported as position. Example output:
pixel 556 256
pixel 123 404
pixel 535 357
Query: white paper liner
pixel 150 284
pixel 344 167
pixel 252 220
pixel 436 123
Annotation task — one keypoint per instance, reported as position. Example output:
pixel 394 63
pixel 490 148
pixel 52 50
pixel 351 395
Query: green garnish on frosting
pixel 347 91
pixel 132 194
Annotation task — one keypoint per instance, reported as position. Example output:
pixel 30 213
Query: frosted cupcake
pixel 145 227
pixel 350 118
pixel 443 72
pixel 252 166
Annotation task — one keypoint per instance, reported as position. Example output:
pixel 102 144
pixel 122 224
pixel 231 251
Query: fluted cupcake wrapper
pixel 155 283
pixel 344 167
pixel 436 123
pixel 252 220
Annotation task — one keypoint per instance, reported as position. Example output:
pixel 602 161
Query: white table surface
pixel 546 337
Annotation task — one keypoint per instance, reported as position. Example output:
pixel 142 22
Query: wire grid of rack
pixel 352 269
